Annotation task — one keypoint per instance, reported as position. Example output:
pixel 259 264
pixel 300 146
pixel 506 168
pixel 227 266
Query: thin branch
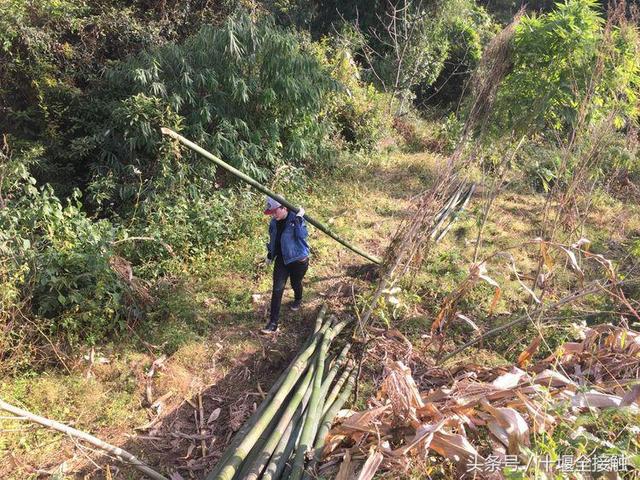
pixel 595 288
pixel 122 455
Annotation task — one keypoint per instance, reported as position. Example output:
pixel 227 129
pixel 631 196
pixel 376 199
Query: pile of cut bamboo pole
pixel 284 437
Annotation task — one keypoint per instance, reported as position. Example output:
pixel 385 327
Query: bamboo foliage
pixel 228 84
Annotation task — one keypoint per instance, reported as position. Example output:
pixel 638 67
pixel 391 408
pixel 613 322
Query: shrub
pixel 191 223
pixel 55 261
pixel 53 53
pixel 466 29
pixel 357 111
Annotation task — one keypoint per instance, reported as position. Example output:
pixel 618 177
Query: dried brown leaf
pixel 508 426
pixel 596 400
pixel 424 436
pixel 400 388
pixel 542 421
pixel 574 263
pixel 494 302
pixel 214 416
pixel 454 447
pixel 510 379
pixel 631 396
pixel 551 378
pixel 525 357
pixel 362 421
pixel 468 321
pixel 371 466
pixel 544 251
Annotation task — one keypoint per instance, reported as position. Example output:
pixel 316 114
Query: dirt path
pixel 367 208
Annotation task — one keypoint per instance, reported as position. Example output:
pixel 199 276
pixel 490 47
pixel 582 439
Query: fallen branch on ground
pixel 122 455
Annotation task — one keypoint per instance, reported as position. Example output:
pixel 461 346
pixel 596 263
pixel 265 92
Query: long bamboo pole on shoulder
pixel 261 188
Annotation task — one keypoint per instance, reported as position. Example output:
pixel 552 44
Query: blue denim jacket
pixel 293 241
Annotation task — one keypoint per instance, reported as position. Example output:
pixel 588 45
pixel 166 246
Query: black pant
pixel 281 273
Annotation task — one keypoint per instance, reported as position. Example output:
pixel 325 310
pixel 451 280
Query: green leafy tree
pixel 420 48
pixel 53 53
pixel 567 69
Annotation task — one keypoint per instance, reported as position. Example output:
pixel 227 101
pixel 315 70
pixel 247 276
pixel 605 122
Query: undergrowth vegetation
pixel 117 244
pixel 267 100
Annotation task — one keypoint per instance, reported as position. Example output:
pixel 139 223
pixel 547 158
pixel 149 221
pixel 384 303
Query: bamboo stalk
pixel 327 420
pixel 196 148
pixel 252 471
pixel 287 443
pixel 326 383
pixel 257 448
pixel 240 434
pixel 454 215
pixel 337 388
pixel 328 380
pixel 441 214
pixel 122 455
pixel 315 403
pixel 285 468
pixel 251 437
pixel 280 468
pixel 320 318
pixel 449 207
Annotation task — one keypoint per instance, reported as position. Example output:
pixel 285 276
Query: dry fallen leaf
pixel 525 357
pixel 454 447
pixel 362 421
pixel 595 400
pixel 508 426
pixel 371 466
pixel 214 416
pixel 542 421
pixel 551 378
pixel 403 423
pixel 423 435
pixel 346 468
pixel 510 379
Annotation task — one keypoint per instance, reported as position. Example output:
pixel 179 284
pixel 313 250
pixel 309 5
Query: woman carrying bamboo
pixel 289 251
